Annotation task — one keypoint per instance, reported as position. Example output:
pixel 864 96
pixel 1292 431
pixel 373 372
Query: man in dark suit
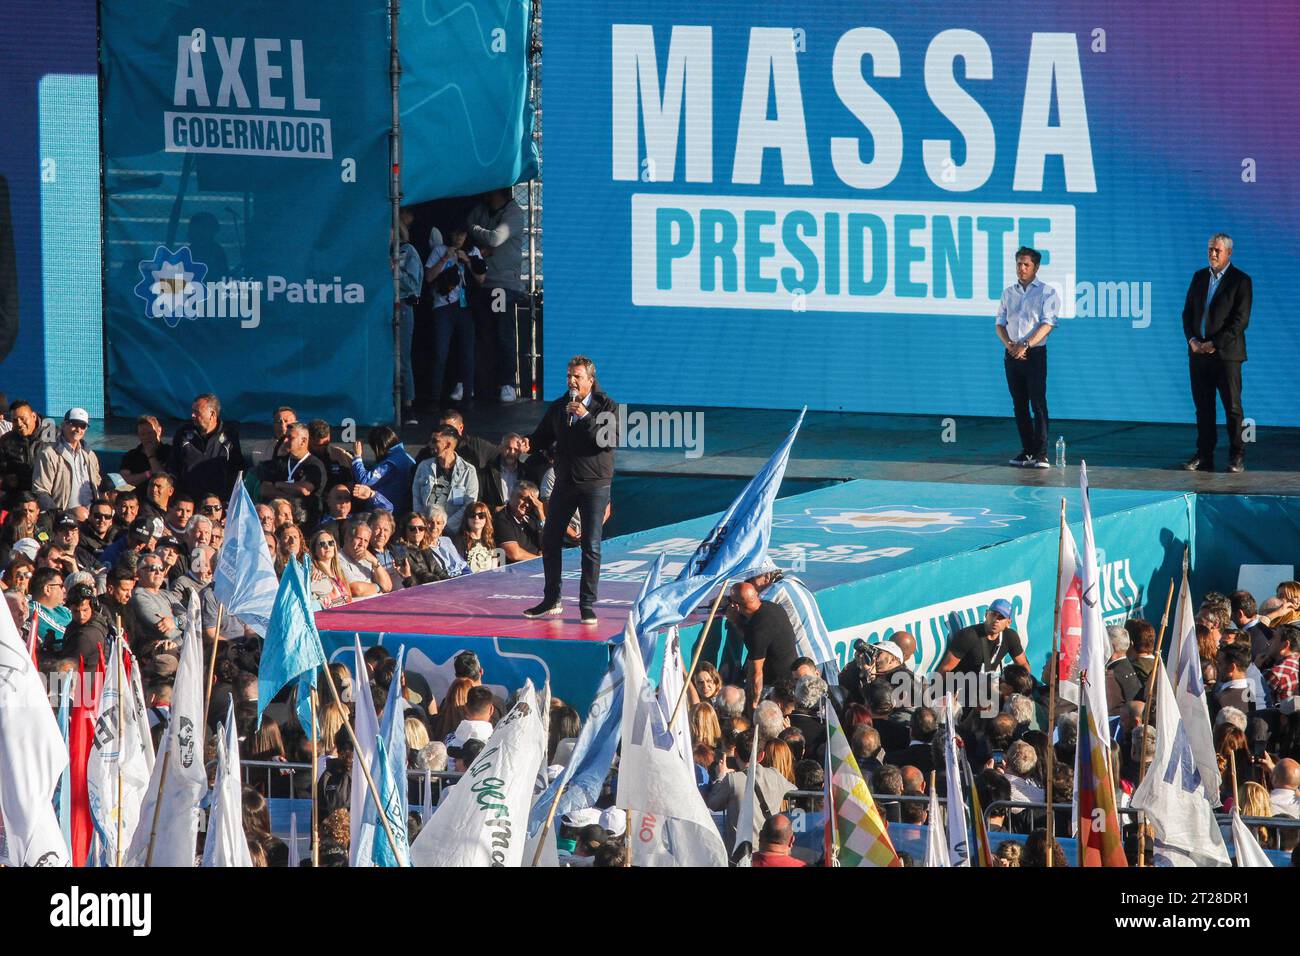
pixel 1215 317
pixel 582 425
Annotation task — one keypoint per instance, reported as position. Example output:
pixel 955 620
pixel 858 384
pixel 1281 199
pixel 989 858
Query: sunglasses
pixel 100 516
pixel 324 544
pixel 23 575
pixel 479 516
pixel 153 568
pixel 415 527
pixel 210 509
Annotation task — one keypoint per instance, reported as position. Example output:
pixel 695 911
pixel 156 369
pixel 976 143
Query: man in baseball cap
pixel 984 646
pixel 65 474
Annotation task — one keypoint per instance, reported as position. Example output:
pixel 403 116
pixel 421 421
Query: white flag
pixel 1249 852
pixel 483 819
pixel 653 782
pixel 226 844
pixel 671 682
pixel 1171 793
pixel 936 847
pixel 114 801
pixel 745 833
pixel 958 839
pixel 181 759
pixel 1189 691
pixel 363 814
pixel 32 758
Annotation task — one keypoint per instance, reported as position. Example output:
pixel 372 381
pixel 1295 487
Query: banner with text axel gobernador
pixel 246 171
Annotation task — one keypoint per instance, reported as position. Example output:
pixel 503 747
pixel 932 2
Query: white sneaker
pixel 459 392
pixel 507 393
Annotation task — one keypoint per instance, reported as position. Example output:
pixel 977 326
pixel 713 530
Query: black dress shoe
pixel 545 609
pixel 1237 465
pixel 588 615
pixel 1197 463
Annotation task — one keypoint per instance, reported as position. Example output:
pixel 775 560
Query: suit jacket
pixel 1229 312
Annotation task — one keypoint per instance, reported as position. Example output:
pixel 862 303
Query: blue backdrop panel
pixel 50 339
pixel 467 123
pixel 247 215
pixel 852 182
pixel 1235 531
pixel 573 667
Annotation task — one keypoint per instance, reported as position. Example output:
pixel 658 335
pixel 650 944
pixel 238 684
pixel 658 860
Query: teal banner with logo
pixel 247 210
pixel 467 124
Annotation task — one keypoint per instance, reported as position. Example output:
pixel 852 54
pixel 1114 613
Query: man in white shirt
pixel 1026 316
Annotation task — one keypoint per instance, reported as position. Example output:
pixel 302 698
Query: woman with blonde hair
pixel 417 735
pixel 452 709
pixel 1288 592
pixel 330 719
pixel 705 728
pixel 1255 803
pixel 326 579
pixel 777 756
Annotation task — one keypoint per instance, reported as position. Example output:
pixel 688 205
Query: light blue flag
pixel 593 754
pixel 292 651
pixel 390 776
pixel 735 549
pixel 244 581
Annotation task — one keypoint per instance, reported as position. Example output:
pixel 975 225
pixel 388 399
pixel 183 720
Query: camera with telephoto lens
pixel 861 671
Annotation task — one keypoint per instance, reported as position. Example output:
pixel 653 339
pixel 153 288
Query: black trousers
pixel 1210 375
pixel 1027 382
pixel 589 502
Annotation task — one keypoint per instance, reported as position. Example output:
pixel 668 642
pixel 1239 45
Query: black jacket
pixel 206 464
pixel 584 451
pixel 334 789
pixel 1229 312
pixel 17 456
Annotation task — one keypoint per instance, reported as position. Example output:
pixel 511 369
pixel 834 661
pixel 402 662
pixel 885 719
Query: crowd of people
pixel 85 552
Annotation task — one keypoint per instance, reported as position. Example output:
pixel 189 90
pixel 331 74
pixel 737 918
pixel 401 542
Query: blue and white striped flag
pixel 812 637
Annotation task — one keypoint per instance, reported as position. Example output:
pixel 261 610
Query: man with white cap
pixel 982 647
pixel 65 475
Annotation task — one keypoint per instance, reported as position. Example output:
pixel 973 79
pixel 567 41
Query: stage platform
pixel 879 555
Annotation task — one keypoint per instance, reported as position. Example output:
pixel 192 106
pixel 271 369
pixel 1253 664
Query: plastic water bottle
pixel 1060 451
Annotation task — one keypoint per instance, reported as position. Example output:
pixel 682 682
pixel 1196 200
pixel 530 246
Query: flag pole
pixel 315 734
pixel 157 803
pixel 1054 663
pixel 121 750
pixel 832 832
pixel 699 647
pixel 1143 722
pixel 1232 762
pixel 212 664
pixel 550 817
pixel 365 767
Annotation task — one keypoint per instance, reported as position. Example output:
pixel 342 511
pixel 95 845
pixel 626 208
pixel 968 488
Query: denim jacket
pixel 426 490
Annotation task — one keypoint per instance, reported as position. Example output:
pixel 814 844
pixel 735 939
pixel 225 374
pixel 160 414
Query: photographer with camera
pixel 890 660
pixel 449 272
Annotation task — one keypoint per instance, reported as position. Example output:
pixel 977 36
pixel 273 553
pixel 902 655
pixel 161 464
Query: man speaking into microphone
pixel 580 426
